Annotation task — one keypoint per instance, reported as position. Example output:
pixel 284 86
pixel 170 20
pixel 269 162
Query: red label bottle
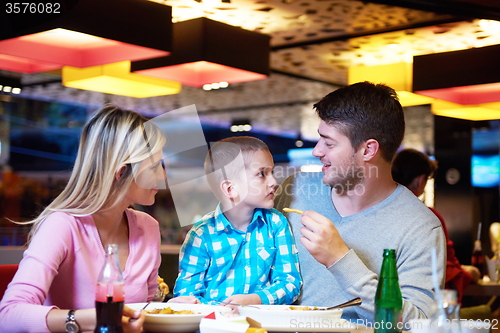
pixel 478 257
pixel 110 295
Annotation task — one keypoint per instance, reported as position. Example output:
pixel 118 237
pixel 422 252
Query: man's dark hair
pixel 365 111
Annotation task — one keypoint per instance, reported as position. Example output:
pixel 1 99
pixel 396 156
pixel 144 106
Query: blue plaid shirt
pixel 217 260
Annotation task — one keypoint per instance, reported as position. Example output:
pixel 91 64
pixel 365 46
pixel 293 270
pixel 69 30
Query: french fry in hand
pixel 291 210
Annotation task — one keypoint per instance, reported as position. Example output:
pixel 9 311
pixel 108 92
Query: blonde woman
pixel 118 164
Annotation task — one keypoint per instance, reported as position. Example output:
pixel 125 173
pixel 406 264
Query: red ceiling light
pixel 466 95
pixel 465 77
pixel 206 51
pixel 83 34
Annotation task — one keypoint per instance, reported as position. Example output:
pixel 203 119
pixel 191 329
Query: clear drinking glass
pixel 496 257
pixel 446 318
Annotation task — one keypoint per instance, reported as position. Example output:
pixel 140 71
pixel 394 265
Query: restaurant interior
pixel 250 67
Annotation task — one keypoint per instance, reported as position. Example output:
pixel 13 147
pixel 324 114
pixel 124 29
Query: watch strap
pixel 71 315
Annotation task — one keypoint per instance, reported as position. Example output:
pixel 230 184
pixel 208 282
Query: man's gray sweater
pixel 401 222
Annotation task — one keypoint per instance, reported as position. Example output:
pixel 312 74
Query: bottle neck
pixel 389 269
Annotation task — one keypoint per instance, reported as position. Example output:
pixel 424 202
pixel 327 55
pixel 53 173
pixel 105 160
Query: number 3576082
pixel 32 8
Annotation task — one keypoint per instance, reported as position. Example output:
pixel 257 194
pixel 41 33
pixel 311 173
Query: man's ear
pixel 228 189
pixel 370 149
pixel 120 171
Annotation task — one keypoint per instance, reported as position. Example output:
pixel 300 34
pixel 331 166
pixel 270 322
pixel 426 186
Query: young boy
pixel 244 251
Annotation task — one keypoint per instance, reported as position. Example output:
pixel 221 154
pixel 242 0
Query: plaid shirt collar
pixel 222 224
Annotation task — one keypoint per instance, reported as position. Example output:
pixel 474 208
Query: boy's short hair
pixel 228 157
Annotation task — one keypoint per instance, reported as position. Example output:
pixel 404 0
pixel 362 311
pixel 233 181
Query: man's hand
pixel 321 238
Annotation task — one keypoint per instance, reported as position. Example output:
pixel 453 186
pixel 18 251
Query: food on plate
pixel 163 286
pixel 170 311
pixel 303 308
pixel 283 315
pixel 256 330
pixel 291 210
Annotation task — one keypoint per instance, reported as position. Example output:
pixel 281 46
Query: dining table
pixel 333 330
pixel 484 287
pixel 208 318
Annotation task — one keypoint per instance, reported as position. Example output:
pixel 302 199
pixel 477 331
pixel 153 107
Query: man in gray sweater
pixel 361 211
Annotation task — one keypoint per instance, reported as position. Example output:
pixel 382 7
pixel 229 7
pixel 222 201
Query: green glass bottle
pixel 388 299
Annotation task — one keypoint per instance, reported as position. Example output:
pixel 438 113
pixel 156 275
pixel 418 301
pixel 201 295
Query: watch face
pixel 72 327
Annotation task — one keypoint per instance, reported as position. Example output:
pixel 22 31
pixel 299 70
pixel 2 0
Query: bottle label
pixel 109 317
pixel 115 291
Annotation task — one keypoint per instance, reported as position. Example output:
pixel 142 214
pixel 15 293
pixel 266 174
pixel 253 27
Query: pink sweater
pixel 61 265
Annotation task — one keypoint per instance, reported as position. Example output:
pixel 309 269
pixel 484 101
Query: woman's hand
pixel 132 320
pixel 184 299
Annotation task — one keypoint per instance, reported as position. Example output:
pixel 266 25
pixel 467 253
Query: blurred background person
pixel 412 169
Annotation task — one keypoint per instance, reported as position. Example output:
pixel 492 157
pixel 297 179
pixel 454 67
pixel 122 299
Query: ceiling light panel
pixel 295 21
pixel 329 61
pixel 85 33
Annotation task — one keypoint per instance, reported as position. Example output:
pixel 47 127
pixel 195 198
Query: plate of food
pixel 342 326
pixel 175 317
pixel 283 317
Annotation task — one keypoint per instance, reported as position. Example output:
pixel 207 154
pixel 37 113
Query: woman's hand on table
pixel 184 299
pixel 132 320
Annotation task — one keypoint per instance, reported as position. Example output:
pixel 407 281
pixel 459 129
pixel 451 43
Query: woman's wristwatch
pixel 71 325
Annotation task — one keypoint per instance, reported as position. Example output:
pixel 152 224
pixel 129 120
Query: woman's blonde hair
pixel 111 139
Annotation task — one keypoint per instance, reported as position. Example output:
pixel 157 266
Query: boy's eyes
pixel 263 173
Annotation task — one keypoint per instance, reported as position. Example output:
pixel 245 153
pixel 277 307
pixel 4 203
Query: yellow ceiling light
pixel 486 111
pixel 407 98
pixel 116 79
pixel 397 76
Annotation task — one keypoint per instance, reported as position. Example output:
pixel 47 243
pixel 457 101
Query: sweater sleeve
pixel 413 265
pixel 22 309
pixel 415 271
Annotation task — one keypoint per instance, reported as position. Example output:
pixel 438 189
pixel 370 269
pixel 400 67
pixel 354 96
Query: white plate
pixel 281 316
pixel 340 326
pixel 177 323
